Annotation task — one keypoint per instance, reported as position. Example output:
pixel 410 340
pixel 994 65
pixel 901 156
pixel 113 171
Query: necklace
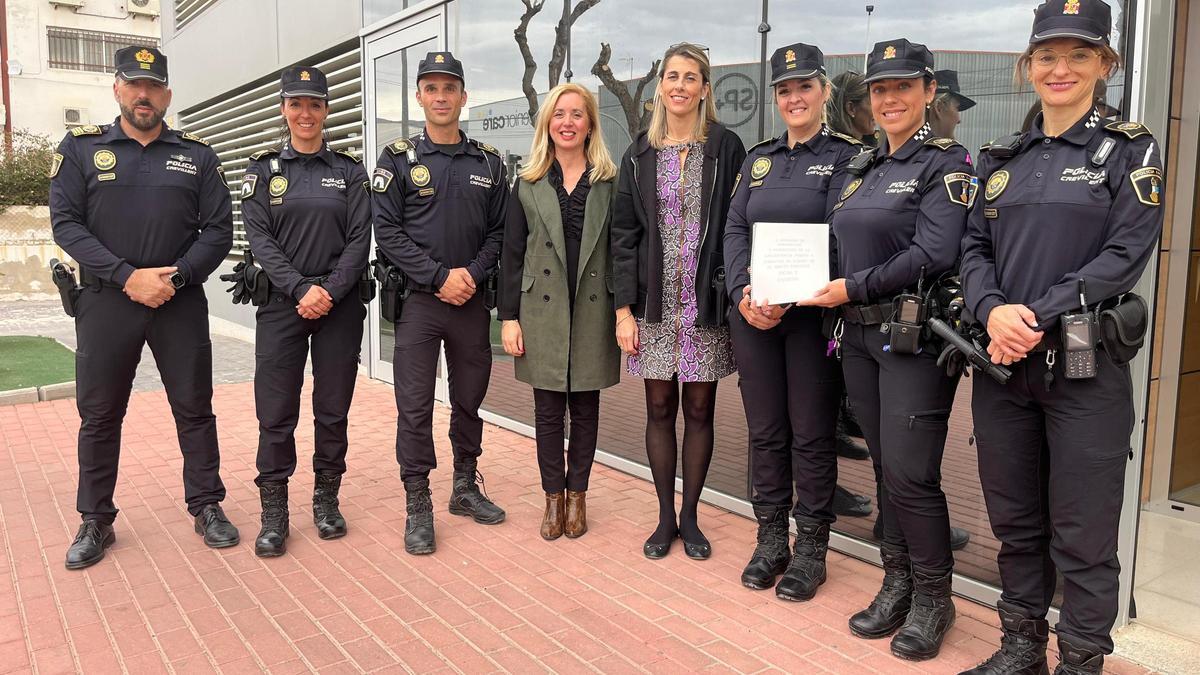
pixel 677 140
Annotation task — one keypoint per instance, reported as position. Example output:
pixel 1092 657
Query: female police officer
pixel 1069 217
pixel 790 387
pixel 308 217
pixel 898 224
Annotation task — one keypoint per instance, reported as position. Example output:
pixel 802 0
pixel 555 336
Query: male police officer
pixel 145 211
pixel 439 216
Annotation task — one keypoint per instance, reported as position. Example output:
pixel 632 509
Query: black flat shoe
pixel 697 550
pixel 656 551
pixel 846 503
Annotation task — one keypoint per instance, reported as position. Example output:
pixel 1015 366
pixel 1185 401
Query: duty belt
pixel 86 278
pixel 867 315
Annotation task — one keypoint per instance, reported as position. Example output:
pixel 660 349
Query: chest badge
pixel 419 175
pixel 104 160
pixel 849 189
pixel 996 185
pixel 760 168
pixel 278 186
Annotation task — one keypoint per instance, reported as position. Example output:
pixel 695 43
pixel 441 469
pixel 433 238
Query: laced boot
pixel 807 570
pixel 552 519
pixel 771 556
pixel 1022 647
pixel 889 609
pixel 1078 658
pixel 418 527
pixel 326 516
pixel 575 522
pixel 272 538
pixel 931 616
pixel 466 498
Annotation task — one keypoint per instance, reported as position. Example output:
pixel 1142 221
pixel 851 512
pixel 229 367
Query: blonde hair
pixel 541 153
pixel 1108 56
pixel 657 133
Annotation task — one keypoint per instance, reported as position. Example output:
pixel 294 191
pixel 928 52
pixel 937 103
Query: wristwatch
pixel 177 280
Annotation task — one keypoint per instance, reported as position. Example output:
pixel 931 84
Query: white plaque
pixel 789 262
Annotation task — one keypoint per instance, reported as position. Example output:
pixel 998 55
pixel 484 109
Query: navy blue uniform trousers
pixel 111 330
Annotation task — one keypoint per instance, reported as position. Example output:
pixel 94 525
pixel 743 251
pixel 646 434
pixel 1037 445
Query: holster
pixel 491 289
pixel 393 287
pixel 366 287
pixel 721 300
pixel 68 289
pixel 258 285
pixel 1123 326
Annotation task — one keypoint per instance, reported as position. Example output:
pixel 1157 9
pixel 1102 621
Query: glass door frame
pixel 419 23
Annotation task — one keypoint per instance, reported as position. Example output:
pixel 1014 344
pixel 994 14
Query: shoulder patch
pixel 849 139
pixel 351 155
pixel 56 163
pixel 192 137
pixel 86 130
pixel 1147 183
pixel 249 182
pixel 1130 129
pixel 398 147
pixel 942 143
pixel 487 148
pixel 263 153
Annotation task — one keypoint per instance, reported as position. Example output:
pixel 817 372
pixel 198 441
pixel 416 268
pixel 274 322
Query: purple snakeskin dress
pixel 676 346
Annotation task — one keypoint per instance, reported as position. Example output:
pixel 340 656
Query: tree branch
pixel 562 31
pixel 630 104
pixel 521 35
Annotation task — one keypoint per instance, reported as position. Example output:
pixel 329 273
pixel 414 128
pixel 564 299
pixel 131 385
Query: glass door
pixel 391 53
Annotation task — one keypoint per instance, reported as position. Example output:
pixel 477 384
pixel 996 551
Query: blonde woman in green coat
pixel 556 299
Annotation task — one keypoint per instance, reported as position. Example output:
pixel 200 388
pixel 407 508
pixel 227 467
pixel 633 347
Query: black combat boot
pixel 272 538
pixel 1078 658
pixel 467 500
pixel 771 556
pixel 807 570
pixel 326 516
pixel 889 609
pixel 418 528
pixel 1022 647
pixel 931 616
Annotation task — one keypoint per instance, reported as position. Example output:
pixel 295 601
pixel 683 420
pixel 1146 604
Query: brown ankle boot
pixel 576 524
pixel 552 520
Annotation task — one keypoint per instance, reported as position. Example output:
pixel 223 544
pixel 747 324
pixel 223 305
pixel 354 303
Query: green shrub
pixel 24 170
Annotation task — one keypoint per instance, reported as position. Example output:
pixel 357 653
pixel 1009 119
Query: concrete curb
pixel 49 392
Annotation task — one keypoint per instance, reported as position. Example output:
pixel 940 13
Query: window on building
pixel 89 50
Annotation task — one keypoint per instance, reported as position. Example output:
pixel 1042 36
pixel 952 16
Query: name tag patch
pixel 1082 174
pixel 819 170
pixel 903 187
pixel 335 183
pixel 181 166
pixel 481 181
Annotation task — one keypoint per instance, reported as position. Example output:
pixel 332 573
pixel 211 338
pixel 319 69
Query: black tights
pixel 662 406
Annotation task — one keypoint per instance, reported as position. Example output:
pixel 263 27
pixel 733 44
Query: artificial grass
pixel 29 361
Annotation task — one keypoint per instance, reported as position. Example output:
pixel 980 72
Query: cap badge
pixel 144 56
pixel 889 52
pixel 104 160
pixel 1071 7
pixel 439 59
pixel 789 56
pixel 304 76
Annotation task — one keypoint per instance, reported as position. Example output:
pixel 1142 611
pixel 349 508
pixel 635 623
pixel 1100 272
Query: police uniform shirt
pixel 444 211
pixel 117 205
pixel 778 184
pixel 905 212
pixel 311 218
pixel 1050 216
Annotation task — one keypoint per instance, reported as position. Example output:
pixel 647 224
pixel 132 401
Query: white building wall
pixel 39 93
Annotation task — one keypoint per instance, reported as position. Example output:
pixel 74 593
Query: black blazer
pixel 637 251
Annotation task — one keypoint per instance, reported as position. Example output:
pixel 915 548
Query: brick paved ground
pixel 491 599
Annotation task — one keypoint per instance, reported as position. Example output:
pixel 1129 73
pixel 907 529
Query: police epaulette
pixel 86 130
pixel 1130 129
pixel 347 153
pixel 942 143
pixel 263 153
pixel 849 139
pixel 861 162
pixel 766 141
pixel 400 146
pixel 487 148
pixel 192 137
pixel 1004 147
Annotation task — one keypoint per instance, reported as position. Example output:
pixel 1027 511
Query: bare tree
pixel 636 115
pixel 521 35
pixel 562 36
pixel 558 54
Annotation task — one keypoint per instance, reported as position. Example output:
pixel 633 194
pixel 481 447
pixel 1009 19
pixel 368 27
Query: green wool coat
pixel 555 341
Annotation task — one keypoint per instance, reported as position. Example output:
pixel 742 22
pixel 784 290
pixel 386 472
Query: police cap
pixel 898 59
pixel 141 63
pixel 440 62
pixel 796 62
pixel 1087 20
pixel 947 83
pixel 303 81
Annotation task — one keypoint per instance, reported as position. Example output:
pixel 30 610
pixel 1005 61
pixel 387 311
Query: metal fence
pixel 89 50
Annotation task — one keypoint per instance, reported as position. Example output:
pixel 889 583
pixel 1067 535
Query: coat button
pixel 546 272
pixel 593 298
pixel 545 298
pixel 593 272
pixel 549 244
pixel 1038 174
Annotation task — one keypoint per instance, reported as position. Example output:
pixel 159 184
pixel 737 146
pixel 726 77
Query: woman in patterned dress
pixel 667 230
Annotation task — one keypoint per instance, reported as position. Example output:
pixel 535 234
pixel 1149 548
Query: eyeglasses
pixel 1076 58
pixel 677 45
